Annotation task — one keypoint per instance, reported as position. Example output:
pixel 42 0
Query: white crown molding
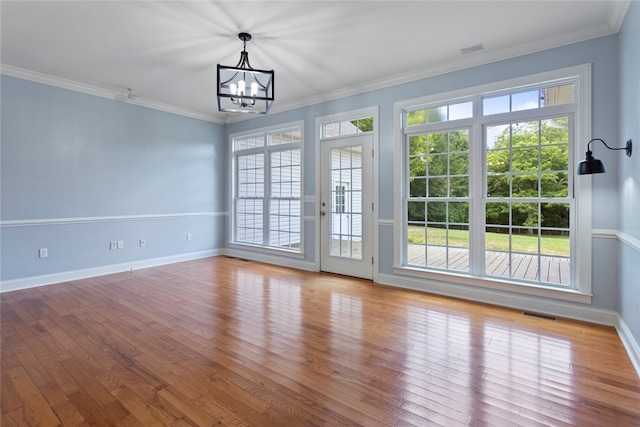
pixel 464 62
pixel 616 16
pixel 617 12
pixel 34 76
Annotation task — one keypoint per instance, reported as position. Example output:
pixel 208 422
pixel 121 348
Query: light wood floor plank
pixel 223 341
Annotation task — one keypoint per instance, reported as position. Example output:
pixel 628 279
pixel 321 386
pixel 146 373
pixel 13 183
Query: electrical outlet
pixel 113 245
pixel 143 243
pixel 120 244
pixel 43 253
pixel 188 236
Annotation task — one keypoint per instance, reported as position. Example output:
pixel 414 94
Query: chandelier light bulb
pixel 241 87
pixel 233 88
pixel 254 89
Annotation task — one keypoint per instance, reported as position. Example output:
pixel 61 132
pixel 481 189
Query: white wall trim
pixel 47 79
pixel 604 234
pixel 625 238
pixel 299 264
pixel 83 220
pixel 523 302
pixel 501 285
pixel 629 240
pixel 66 276
pixel 629 343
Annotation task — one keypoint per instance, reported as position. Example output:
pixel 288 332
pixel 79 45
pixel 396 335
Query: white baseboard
pixel 556 308
pixel 50 279
pixel 629 343
pixel 522 302
pixel 271 259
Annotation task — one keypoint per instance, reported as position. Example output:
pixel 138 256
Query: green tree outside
pixel 527 160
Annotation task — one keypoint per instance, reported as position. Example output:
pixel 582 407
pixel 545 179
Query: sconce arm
pixel 627 147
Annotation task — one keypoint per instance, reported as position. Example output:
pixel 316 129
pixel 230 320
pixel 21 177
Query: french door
pixel 346 206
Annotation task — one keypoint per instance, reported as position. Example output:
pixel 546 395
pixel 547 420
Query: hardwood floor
pixel 222 341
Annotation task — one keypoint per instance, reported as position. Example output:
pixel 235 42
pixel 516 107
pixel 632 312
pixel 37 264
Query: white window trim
pixel 232 186
pixel 582 187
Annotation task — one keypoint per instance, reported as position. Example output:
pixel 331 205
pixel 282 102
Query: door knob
pixel 323 213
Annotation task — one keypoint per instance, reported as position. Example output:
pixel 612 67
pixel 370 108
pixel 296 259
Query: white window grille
pixel 268 189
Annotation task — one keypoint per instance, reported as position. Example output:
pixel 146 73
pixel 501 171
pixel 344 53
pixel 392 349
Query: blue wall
pixel 629 171
pixel 79 171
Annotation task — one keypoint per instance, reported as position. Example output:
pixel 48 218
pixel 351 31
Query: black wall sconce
pixel 592 165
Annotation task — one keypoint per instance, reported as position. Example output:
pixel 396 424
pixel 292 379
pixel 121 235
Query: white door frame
pixel 346 245
pixel 374 232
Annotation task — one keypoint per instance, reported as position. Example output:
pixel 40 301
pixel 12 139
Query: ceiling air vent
pixel 471 49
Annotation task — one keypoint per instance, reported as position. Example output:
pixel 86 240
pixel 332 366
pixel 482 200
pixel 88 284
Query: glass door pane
pixel 346 202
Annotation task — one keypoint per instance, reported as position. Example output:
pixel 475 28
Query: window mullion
pixel 266 200
pixel 476 195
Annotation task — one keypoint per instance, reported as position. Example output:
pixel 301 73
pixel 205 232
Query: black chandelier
pixel 243 89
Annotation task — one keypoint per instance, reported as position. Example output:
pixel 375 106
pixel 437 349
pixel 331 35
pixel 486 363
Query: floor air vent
pixel 539 316
pixel 239 259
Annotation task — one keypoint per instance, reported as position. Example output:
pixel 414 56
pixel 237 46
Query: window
pixel 487 187
pixel 267 190
pixel 438 202
pixel 346 127
pixel 528 209
pixel 442 113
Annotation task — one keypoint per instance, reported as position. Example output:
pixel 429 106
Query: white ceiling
pixel 167 51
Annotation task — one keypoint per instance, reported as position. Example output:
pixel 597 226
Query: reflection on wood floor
pixel 221 341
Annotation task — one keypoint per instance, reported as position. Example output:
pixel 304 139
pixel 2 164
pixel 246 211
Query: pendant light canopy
pixel 243 89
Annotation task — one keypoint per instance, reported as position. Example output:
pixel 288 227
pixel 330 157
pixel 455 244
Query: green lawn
pixel 551 245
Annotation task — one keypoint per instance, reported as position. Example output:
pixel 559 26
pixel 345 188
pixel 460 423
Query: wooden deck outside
pixel 552 269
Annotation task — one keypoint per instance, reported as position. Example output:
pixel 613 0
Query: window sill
pixel 452 279
pixel 267 250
